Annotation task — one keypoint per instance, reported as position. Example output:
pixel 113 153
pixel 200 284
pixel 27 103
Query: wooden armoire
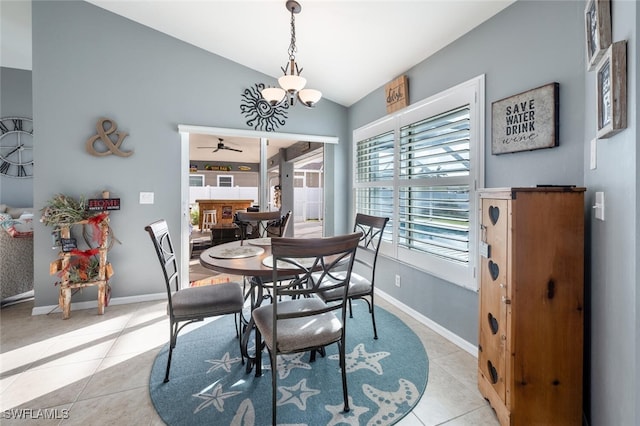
pixel 530 348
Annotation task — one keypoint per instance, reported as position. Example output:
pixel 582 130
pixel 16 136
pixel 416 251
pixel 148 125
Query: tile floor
pixel 95 369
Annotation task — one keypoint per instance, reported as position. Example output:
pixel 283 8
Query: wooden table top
pixel 247 266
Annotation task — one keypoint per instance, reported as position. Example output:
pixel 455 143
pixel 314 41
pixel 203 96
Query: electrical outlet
pixel 397 280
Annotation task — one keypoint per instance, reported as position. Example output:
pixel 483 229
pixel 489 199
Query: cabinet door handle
pixel 506 301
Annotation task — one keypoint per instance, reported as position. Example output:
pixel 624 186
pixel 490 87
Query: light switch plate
pixel 485 249
pixel 599 206
pixel 146 198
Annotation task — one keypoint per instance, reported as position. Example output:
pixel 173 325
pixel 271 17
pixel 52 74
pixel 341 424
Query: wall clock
pixel 16 147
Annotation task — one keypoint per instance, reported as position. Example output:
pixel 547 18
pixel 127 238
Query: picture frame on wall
pixel 526 121
pixel 227 212
pixel 611 90
pixel 597 18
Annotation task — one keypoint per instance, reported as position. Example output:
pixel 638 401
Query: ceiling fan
pixel 220 146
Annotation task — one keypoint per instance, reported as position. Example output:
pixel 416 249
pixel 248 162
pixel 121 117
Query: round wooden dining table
pixel 221 258
pixel 251 259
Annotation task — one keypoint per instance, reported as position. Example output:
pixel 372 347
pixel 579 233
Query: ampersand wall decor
pixel 260 114
pixel 103 136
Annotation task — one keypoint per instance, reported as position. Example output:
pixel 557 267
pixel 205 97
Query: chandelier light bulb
pixel 273 95
pixel 292 83
pixel 309 97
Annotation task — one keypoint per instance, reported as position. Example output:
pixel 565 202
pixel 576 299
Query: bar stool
pixel 208 219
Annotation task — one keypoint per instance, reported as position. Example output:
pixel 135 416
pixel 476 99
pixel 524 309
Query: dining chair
pixel 262 224
pixel 302 322
pixel 254 225
pixel 190 304
pixel 362 283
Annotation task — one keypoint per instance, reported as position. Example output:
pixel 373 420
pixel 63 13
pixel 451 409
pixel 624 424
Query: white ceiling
pixel 347 48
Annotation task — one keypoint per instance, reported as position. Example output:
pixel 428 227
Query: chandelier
pixel 291 83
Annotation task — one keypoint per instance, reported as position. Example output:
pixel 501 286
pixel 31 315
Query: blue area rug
pixel 209 385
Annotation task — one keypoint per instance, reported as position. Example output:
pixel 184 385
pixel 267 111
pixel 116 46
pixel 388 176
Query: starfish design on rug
pixel 339 417
pixel 246 414
pixel 359 358
pixel 216 398
pixel 286 363
pixel 297 394
pixel 225 363
pixel 392 404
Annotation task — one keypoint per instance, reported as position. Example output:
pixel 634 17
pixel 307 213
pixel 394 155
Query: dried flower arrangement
pixel 64 210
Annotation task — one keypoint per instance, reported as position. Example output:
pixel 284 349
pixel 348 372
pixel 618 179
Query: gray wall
pixel 146 87
pixel 529 44
pixel 15 86
pixel 89 63
pixel 613 285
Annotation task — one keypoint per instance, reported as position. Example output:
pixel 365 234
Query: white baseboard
pixel 447 334
pixel 44 310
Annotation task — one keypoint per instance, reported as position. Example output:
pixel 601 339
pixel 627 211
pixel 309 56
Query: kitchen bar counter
pixel 224 209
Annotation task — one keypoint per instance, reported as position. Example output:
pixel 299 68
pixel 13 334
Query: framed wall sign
pixel 102 204
pixel 597 19
pixel 68 244
pixel 227 212
pixel 397 94
pixel 526 121
pixel 611 90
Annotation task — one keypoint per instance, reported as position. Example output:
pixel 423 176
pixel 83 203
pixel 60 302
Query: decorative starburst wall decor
pixel 260 114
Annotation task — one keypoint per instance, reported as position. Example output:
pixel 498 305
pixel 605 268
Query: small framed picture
pixel 227 212
pixel 68 244
pixel 611 90
pixel 597 19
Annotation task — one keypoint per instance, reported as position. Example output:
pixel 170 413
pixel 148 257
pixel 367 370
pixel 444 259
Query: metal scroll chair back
pixel 187 305
pixel 362 284
pixel 262 224
pixel 297 321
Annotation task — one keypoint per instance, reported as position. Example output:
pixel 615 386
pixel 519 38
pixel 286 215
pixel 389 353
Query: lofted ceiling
pixel 347 48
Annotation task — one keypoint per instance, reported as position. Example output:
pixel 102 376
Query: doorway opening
pixel 308 189
pixel 258 162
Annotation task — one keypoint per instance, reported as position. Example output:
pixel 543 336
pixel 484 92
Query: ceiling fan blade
pixel 233 149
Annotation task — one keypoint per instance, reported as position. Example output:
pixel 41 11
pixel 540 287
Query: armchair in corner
pixel 16 251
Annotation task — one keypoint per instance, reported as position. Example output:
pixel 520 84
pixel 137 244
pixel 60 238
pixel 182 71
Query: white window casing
pixel 196 180
pixel 421 167
pixel 225 181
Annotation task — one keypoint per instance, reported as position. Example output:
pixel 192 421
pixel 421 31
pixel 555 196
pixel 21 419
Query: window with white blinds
pixel 374 168
pixel 434 215
pixel 374 158
pixel 420 168
pixel 225 180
